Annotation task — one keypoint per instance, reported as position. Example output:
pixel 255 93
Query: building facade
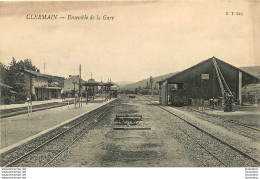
pixel 71 86
pixel 38 85
pixel 71 83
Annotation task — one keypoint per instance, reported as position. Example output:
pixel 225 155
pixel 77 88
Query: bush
pixel 6 100
pixel 20 97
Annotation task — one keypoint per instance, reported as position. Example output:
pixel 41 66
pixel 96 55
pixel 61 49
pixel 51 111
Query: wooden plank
pixel 132 128
pixel 128 118
pixel 128 115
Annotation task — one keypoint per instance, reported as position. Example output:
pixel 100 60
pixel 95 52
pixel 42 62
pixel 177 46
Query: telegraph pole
pixel 80 85
pixel 74 82
pixel 74 87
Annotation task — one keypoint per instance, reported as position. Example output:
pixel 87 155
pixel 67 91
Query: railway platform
pixel 20 129
pixel 12 106
pixel 18 109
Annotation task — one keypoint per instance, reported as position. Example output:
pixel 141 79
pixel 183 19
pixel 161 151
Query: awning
pixel 53 87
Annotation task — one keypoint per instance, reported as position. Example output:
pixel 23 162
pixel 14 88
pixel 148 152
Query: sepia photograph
pixel 135 84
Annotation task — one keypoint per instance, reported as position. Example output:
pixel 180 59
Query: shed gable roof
pixel 203 63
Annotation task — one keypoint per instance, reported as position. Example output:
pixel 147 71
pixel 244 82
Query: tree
pixel 3 73
pixel 27 63
pixel 4 92
pixel 136 90
pixel 155 86
pixel 151 83
pixel 15 77
pixel 139 89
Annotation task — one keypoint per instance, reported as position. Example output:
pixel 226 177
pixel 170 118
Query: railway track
pixel 45 149
pixel 234 122
pixel 223 152
pixel 241 129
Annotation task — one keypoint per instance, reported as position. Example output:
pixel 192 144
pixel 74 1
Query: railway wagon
pixel 178 97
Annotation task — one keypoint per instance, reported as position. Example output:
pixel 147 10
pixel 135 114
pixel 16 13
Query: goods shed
pixel 209 79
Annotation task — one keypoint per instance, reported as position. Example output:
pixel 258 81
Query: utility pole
pixel 44 66
pixel 80 85
pixel 74 82
pixel 74 88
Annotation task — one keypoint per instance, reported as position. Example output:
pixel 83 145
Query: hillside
pixel 142 83
pixel 254 70
pixel 122 83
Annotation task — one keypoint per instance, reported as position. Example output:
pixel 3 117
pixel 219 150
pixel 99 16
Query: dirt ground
pixel 162 146
pixel 105 147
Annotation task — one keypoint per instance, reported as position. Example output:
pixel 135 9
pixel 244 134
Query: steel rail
pixel 203 147
pixel 250 127
pixel 77 138
pixel 212 136
pixel 56 136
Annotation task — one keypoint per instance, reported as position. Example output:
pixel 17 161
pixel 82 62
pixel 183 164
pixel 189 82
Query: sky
pixel 144 39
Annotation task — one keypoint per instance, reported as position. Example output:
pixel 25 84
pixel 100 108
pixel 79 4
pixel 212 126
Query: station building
pixel 208 79
pixel 39 85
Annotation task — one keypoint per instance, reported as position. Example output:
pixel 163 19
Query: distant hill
pixel 142 83
pixel 254 70
pixel 121 83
